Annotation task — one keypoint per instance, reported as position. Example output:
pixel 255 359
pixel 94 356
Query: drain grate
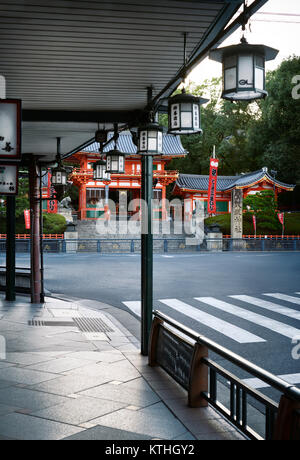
pixel 92 325
pixel 42 323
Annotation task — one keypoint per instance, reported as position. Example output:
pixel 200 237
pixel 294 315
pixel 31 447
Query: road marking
pixel 268 305
pixel 259 320
pixel 288 298
pixel 136 306
pixel 293 379
pixel 227 329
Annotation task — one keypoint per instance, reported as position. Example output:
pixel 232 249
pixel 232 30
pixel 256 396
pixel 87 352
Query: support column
pixel 11 248
pixel 147 251
pixel 35 233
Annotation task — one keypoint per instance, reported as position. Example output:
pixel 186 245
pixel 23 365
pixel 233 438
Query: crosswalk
pixel 254 310
pixel 256 313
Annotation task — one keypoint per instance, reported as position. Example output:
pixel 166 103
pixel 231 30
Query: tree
pixel 275 137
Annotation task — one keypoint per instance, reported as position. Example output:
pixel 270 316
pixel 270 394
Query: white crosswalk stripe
pixel 227 329
pixel 134 306
pixel 287 298
pixel 268 323
pixel 293 379
pixel 268 306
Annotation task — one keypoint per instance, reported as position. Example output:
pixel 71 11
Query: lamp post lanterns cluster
pixel 99 171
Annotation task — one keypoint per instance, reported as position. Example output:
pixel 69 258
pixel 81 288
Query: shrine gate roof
pixel 172 145
pixel 227 183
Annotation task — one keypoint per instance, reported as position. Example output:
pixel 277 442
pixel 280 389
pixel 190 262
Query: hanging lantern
pixel 184 114
pixel 59 176
pixel 115 162
pixel 244 70
pixel 99 171
pixel 150 139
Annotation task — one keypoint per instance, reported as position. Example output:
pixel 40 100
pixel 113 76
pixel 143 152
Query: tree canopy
pixel 249 136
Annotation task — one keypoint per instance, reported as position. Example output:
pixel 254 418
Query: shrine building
pixel 192 188
pixel 123 188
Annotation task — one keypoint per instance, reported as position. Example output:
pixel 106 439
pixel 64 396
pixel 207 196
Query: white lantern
pixel 244 70
pixel 150 139
pixel 184 114
pixel 99 171
pixel 59 176
pixel 115 162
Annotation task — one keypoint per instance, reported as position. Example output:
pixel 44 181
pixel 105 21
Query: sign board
pixel 10 129
pixel 8 179
pixel 212 187
pixel 175 356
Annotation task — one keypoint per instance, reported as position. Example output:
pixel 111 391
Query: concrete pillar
pixel 36 288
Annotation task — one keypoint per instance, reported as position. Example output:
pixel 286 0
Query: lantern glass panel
pixel 115 163
pixel 230 78
pixel 246 71
pixel 186 120
pixel 160 142
pixel 121 164
pixel 175 116
pixel 230 61
pixel 259 78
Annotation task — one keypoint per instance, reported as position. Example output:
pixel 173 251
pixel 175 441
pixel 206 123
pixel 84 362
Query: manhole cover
pixel 92 325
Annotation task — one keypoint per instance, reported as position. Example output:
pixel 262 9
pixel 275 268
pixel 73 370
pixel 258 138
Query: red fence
pixel 27 237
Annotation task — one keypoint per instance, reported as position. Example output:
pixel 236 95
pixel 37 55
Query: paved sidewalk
pixel 77 374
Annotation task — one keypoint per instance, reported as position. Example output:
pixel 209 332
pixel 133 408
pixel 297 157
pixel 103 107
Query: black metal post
pixel 11 248
pixel 147 251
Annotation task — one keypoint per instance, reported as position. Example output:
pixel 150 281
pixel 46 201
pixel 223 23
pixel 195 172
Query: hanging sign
pixel 10 129
pixel 8 179
pixel 212 188
pixel 27 219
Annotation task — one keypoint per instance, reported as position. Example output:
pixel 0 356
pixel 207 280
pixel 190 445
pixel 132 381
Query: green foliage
pixel 292 224
pixel 264 206
pixel 249 136
pixel 54 223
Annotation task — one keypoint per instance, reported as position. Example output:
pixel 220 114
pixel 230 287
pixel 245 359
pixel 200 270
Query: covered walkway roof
pixel 75 63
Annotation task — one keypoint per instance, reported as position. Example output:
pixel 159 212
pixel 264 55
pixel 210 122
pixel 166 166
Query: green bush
pixel 54 223
pixel 265 227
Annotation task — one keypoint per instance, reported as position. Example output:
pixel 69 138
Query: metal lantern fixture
pixel 99 171
pixel 59 174
pixel 115 162
pixel 184 114
pixel 244 70
pixel 150 139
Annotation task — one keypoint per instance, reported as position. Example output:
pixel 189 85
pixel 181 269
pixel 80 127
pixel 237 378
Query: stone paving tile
pixel 108 356
pixel 78 411
pixel 121 370
pixel 25 359
pixel 5 384
pixel 155 421
pixel 200 427
pixel 102 433
pixel 24 398
pixel 187 436
pixel 226 436
pixel 128 395
pixel 25 376
pixel 5 365
pixel 24 427
pixel 59 365
pixel 71 384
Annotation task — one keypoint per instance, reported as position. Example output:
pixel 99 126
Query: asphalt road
pixel 196 290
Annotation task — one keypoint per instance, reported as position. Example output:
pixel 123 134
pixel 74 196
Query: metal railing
pixel 161 245
pixel 275 420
